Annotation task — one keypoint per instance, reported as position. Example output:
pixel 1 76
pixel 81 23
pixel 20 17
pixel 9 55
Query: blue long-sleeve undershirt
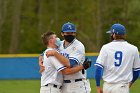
pixel 98 75
pixel 135 75
pixel 73 63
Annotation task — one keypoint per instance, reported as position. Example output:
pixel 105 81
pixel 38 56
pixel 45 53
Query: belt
pixel 69 81
pixel 55 86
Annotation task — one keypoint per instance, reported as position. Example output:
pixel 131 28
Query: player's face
pixel 112 36
pixel 69 36
pixel 53 40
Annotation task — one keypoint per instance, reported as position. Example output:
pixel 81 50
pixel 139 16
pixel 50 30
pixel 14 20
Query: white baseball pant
pixel 49 89
pixel 77 87
pixel 115 88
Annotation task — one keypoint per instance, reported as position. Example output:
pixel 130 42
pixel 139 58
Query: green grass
pixel 33 86
pixel 19 86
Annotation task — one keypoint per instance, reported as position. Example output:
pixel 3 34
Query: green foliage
pixel 91 17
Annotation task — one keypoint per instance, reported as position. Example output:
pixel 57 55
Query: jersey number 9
pixel 118 58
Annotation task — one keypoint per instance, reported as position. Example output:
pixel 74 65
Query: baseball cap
pixel 68 27
pixel 118 29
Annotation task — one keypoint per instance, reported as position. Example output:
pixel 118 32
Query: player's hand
pixel 40 63
pixel 87 63
pixel 50 53
pixel 99 90
pixel 42 68
pixel 130 84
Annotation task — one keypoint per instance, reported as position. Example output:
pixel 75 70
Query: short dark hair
pixel 120 37
pixel 46 37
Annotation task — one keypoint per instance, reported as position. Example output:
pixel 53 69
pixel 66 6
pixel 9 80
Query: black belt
pixel 55 86
pixel 69 81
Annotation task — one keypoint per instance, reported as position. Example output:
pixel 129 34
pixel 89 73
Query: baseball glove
pixel 87 63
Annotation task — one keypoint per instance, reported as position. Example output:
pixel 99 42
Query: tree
pixel 3 11
pixel 15 37
pixel 100 7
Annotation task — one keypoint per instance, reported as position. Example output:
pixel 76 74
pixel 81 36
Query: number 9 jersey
pixel 118 59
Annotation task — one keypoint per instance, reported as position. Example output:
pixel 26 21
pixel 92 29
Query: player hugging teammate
pixel 74 78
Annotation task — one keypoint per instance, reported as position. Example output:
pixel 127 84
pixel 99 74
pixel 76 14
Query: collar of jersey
pixel 68 44
pixel 118 41
pixel 52 48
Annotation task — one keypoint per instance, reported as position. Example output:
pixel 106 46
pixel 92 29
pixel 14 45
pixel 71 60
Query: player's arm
pixel 77 68
pixel 99 68
pixel 100 65
pixel 98 75
pixel 136 67
pixel 77 56
pixel 60 57
pixel 40 60
pixel 135 77
pixel 73 70
pixel 68 71
pixel 99 90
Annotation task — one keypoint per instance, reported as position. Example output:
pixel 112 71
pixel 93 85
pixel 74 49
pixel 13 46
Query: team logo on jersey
pixel 69 26
pixel 65 55
pixel 73 48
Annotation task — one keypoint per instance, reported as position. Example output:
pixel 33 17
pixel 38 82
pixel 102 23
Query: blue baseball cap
pixel 68 27
pixel 117 29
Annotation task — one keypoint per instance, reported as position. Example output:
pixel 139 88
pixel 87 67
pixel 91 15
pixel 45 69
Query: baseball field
pixel 33 86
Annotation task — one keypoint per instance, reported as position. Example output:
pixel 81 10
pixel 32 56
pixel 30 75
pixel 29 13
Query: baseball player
pixel 73 83
pixel 119 61
pixel 52 79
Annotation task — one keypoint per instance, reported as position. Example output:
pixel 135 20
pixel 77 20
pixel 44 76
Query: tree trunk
pixel 125 11
pixel 56 14
pixel 40 16
pixel 15 27
pixel 1 26
pixel 3 10
pixel 99 23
